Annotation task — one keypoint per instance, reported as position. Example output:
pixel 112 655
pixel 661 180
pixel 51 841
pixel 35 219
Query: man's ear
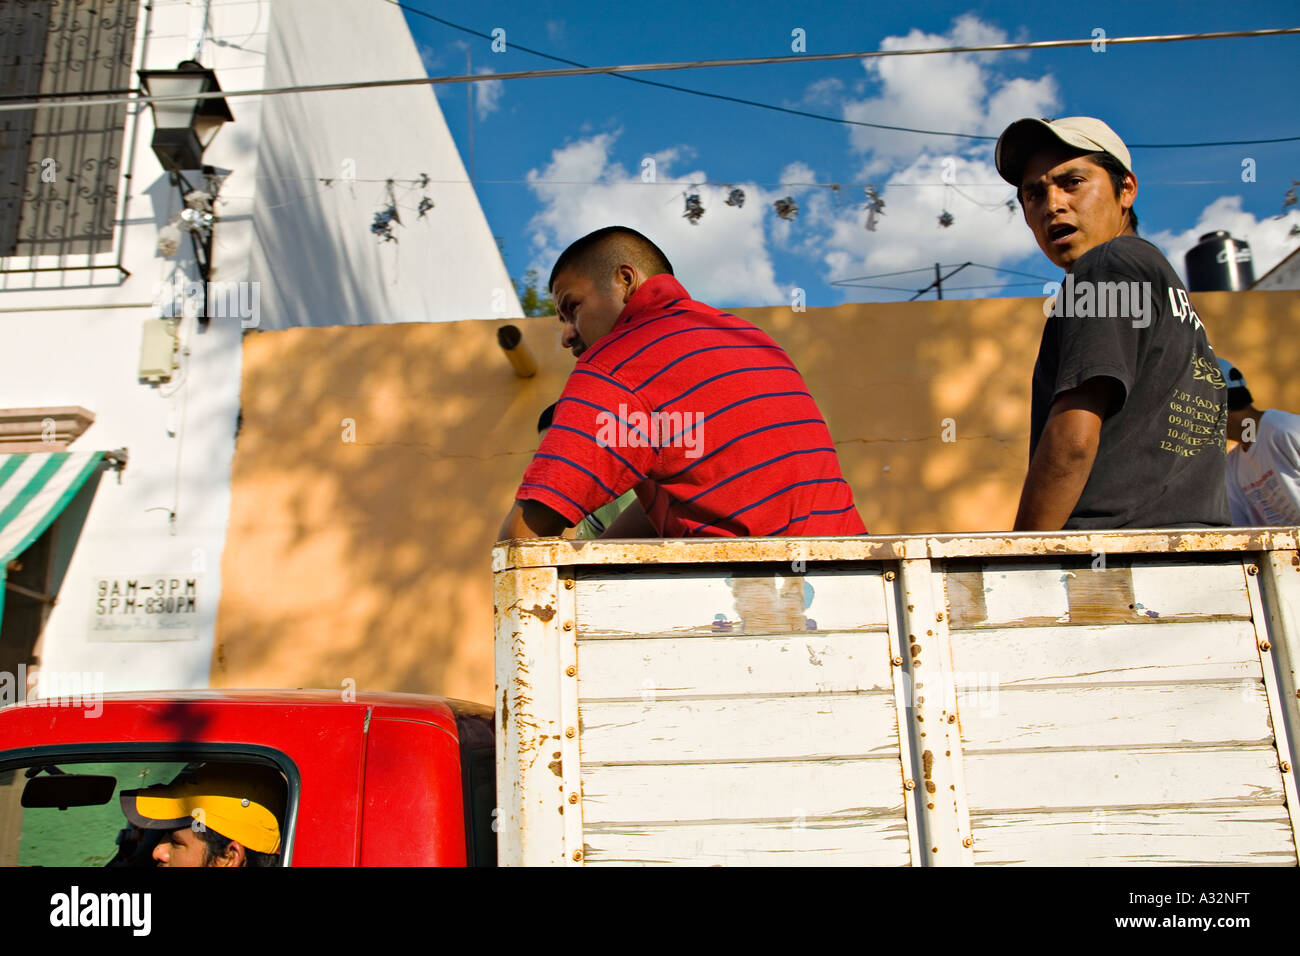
pixel 1128 193
pixel 628 279
pixel 233 855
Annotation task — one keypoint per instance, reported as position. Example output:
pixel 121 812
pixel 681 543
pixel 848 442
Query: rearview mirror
pixel 68 790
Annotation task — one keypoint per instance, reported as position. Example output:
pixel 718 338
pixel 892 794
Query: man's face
pixel 182 847
pixel 1070 204
pixel 588 309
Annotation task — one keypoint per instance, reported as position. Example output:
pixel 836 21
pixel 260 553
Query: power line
pixel 710 64
pixel 808 114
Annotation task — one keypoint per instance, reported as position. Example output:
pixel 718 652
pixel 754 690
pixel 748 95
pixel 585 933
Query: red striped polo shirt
pixel 705 416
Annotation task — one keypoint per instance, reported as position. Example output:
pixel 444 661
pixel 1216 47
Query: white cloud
pixel 554 30
pixel 428 57
pixel 487 93
pixel 824 91
pixel 1268 237
pixel 722 260
pixel 908 234
pixel 956 92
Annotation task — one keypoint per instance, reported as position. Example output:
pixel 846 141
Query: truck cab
pixel 369 779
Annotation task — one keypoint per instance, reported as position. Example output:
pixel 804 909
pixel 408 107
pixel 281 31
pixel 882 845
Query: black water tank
pixel 1219 263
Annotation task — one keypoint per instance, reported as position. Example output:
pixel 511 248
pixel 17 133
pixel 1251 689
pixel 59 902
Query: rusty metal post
pixel 1275 605
pixel 937 798
pixel 529 715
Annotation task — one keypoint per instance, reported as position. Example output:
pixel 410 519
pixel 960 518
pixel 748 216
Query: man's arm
pixel 532 519
pixel 1065 454
pixel 632 522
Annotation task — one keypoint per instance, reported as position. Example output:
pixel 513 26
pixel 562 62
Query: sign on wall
pixel 146 607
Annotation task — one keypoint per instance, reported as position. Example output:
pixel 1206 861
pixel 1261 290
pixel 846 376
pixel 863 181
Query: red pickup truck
pixel 370 779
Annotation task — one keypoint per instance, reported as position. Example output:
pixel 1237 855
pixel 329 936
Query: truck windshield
pixel 75 813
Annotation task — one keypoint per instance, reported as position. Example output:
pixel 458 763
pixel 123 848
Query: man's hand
pixel 532 519
pixel 1065 454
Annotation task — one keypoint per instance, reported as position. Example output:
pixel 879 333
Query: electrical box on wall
pixel 158 350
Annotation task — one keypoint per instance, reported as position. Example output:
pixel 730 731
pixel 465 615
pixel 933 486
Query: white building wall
pixel 74 338
pixel 316 259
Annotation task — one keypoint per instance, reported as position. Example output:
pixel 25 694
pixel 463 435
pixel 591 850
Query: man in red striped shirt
pixel 698 410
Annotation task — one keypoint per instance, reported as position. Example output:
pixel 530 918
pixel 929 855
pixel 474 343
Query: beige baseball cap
pixel 1024 137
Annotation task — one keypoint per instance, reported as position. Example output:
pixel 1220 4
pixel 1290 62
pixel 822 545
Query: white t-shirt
pixel 1264 483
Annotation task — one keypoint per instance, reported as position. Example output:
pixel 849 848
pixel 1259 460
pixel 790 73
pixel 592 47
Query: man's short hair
pixel 1114 169
pixel 214 846
pixel 597 254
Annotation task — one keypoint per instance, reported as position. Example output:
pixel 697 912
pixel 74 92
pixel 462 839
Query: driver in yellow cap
pixel 217 815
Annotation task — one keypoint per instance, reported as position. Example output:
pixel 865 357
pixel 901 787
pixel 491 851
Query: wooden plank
pixel 1002 593
pixel 658 668
pixel 1136 715
pixel 759 599
pixel 787 791
pixel 1215 836
pixel 1172 589
pixel 1145 777
pixel 1207 650
pixel 868 842
pixel 739 728
pixel 1105 590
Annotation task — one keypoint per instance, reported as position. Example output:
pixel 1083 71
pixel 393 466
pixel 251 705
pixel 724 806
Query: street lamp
pixel 183 128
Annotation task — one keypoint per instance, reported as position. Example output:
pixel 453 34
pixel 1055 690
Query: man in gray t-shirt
pixel 1128 417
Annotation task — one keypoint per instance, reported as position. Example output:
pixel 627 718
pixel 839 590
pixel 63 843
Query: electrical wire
pixel 709 64
pixel 847 122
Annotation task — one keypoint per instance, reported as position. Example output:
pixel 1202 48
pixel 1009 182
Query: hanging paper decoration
pixel 945 219
pixel 383 224
pixel 694 209
pixel 736 197
pixel 786 208
pixel 875 207
pixel 384 219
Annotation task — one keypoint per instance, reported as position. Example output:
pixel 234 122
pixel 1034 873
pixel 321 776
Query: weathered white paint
pixel 739 728
pixel 867 842
pixel 663 668
pixel 1276 687
pixel 699 746
pixel 1167 589
pixel 1280 587
pixel 714 600
pixel 935 751
pixel 789 790
pixel 1133 715
pixel 1012 591
pixel 822 552
pixel 1136 777
pixel 1210 650
pixel 1225 836
pixel 529 727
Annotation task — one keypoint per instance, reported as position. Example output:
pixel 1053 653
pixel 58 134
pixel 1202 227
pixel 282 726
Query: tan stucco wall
pixel 369 560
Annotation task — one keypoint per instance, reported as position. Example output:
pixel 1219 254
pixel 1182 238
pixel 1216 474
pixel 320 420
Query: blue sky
pixel 555 158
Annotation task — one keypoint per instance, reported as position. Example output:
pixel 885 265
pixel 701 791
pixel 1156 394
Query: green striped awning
pixel 34 489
